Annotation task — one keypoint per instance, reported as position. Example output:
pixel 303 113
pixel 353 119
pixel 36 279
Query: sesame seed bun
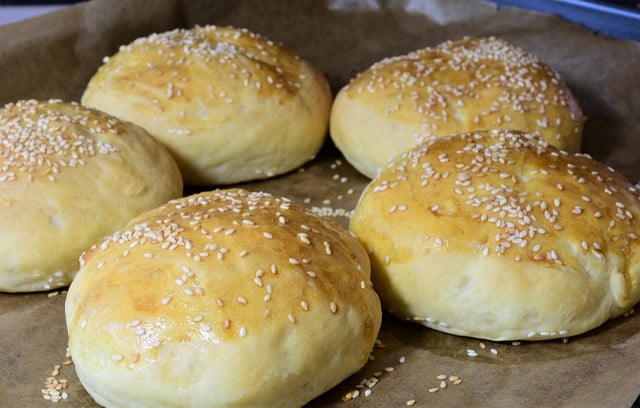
pixel 458 86
pixel 70 175
pixel 230 105
pixel 225 298
pixel 497 235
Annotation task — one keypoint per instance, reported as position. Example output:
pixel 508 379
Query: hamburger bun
pixel 230 105
pixel 457 86
pixel 498 235
pixel 70 175
pixel 225 298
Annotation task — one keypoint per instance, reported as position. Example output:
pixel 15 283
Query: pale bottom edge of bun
pixel 37 280
pixel 236 376
pixel 500 299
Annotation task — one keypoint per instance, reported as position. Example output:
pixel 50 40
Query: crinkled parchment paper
pixel 54 56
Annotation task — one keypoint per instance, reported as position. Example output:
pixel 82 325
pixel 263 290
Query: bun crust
pixel 458 86
pixel 230 105
pixel 226 298
pixel 70 175
pixel 497 235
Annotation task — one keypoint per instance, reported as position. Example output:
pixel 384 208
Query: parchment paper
pixel 54 56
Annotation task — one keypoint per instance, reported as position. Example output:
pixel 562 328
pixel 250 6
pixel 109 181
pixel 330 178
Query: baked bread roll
pixel 498 235
pixel 70 175
pixel 225 298
pixel 458 86
pixel 230 105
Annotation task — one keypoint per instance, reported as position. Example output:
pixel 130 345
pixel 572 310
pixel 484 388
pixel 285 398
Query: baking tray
pixel 53 56
pixel 619 19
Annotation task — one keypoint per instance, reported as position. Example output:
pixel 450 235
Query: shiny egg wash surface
pixel 222 221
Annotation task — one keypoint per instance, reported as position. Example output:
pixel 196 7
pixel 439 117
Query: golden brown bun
pixel 458 86
pixel 230 105
pixel 497 235
pixel 69 176
pixel 226 298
